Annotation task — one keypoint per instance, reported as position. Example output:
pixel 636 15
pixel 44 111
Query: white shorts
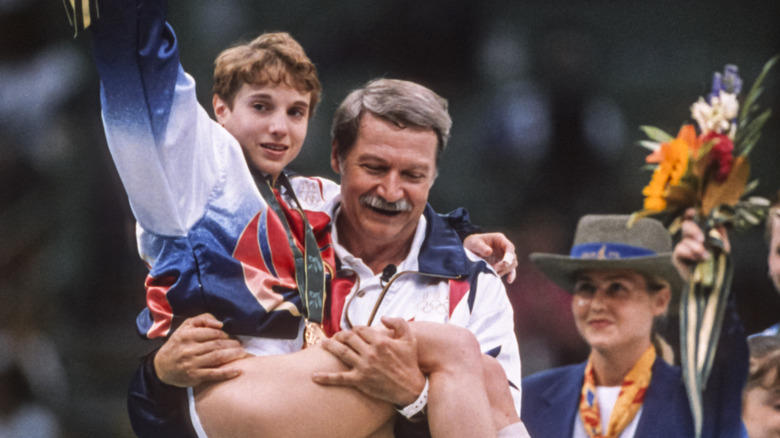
pixel 194 414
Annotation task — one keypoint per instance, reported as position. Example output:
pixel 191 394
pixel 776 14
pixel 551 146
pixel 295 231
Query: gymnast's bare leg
pixel 276 396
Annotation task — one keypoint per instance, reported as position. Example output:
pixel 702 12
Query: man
pixel 395 256
pixel 387 138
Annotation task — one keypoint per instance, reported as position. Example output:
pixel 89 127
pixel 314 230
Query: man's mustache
pixel 379 203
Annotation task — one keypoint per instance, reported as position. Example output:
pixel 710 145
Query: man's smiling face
pixel 385 180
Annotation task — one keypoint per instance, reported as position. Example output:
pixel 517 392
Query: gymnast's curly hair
pixel 272 58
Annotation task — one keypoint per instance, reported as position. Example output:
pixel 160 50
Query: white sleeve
pixel 492 321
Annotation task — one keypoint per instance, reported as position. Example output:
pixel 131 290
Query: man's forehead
pixel 370 121
pixel 379 131
pixel 384 155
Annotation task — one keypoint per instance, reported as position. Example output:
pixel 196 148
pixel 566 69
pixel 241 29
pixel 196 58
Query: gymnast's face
pixel 269 122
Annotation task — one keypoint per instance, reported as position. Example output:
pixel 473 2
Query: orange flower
pixel 672 158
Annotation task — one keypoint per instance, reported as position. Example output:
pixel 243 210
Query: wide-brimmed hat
pixel 606 242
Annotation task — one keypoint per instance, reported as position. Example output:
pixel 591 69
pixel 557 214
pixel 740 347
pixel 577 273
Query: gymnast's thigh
pixel 275 397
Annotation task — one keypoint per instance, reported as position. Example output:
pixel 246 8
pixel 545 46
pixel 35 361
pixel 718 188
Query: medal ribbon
pixel 630 399
pixel 309 271
pixel 76 8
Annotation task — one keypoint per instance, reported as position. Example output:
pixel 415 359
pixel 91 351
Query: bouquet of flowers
pixel 707 169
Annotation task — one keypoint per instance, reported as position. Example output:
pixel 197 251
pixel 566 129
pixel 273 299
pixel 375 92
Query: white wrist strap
pixel 418 405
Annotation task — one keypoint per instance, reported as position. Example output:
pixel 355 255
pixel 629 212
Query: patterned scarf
pixel 632 395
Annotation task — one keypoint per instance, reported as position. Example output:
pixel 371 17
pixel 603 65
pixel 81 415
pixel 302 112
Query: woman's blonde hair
pixel 662 348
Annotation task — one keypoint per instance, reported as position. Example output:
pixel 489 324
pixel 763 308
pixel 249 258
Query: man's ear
pixel 334 158
pixel 221 109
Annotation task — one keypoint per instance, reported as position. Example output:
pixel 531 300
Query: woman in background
pixel 623 280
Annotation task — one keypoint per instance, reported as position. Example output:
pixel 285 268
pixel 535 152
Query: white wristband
pixel 418 405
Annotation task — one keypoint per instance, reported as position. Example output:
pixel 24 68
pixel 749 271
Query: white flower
pixel 729 105
pixel 717 115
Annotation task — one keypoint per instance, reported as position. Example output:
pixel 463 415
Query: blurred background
pixel 546 99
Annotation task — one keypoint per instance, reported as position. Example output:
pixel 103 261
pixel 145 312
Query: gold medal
pixel 312 334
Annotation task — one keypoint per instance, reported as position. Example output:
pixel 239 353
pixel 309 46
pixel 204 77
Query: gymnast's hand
pixel 197 352
pixel 497 250
pixel 382 362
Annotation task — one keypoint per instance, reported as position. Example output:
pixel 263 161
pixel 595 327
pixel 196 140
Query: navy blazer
pixel 551 398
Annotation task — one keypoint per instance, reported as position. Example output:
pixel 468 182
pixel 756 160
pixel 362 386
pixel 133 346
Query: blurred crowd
pixel 546 100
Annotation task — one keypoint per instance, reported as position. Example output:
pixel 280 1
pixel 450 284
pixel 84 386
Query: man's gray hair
pixel 402 103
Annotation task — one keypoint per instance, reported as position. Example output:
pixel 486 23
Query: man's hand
pixel 497 250
pixel 198 351
pixel 691 250
pixel 382 364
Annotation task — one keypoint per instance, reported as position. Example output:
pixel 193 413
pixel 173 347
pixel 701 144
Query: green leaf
pixel 746 219
pixel 748 137
pixel 656 134
pixel 647 144
pixel 755 90
pixel 650 167
pixel 750 187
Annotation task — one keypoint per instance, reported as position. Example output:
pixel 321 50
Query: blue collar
pixel 442 251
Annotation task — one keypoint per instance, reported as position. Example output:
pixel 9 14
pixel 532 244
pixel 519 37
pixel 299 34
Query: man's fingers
pixel 204 320
pixel 341 351
pixel 506 266
pixel 218 374
pixel 398 326
pixel 205 334
pixel 370 336
pixel 333 379
pixel 478 246
pixel 510 278
pixel 510 259
pixel 209 354
pixel 217 357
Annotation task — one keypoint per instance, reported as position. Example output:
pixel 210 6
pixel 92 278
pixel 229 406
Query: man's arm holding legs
pixel 449 355
pixel 198 351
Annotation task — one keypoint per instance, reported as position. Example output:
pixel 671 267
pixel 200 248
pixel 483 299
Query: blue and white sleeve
pixel 169 153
